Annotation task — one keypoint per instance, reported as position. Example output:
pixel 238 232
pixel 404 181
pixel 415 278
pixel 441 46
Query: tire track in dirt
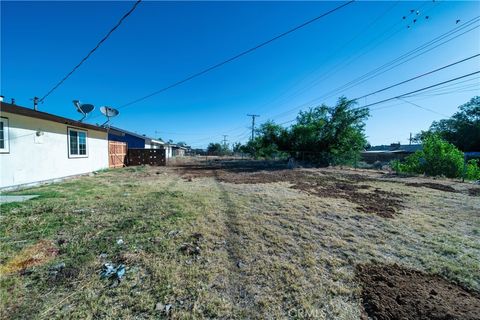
pixel 286 267
pixel 238 291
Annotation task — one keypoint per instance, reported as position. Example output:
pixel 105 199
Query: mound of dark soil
pixel 431 185
pixel 393 292
pixel 474 192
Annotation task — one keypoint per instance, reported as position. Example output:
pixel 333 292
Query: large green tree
pixel 325 135
pixel 217 149
pixel 330 135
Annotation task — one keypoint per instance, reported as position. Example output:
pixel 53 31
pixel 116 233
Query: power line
pixel 418 90
pixel 450 88
pixel 336 52
pixel 215 66
pixel 92 51
pixel 393 64
pixel 347 62
pixel 424 108
pixel 399 97
pixel 417 77
pixel 341 65
pixel 446 87
pixel 404 95
pixel 373 73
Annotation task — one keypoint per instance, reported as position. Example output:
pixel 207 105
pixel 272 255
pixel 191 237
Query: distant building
pixel 386 153
pixel 178 151
pixel 38 147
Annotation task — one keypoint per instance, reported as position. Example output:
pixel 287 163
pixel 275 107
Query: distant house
pixel 37 146
pixel 178 151
pixel 386 153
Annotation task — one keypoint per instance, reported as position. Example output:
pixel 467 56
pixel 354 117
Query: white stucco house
pixel 38 147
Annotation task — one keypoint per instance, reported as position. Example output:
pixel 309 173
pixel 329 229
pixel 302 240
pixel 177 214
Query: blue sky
pixel 163 42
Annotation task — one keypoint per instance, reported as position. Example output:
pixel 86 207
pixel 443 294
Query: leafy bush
pixel 438 157
pixel 472 171
pixel 217 149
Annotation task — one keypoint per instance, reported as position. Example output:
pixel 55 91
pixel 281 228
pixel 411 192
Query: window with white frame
pixel 4 142
pixel 77 143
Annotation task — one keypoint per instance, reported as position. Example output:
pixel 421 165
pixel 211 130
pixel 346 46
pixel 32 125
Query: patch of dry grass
pixel 213 249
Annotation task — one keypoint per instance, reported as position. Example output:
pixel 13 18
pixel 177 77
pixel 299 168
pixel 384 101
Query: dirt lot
pixel 243 239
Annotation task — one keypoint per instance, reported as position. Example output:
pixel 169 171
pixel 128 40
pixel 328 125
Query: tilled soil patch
pixel 394 292
pixel 383 203
pixel 326 184
pixel 431 185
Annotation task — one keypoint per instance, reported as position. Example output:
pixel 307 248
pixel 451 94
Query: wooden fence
pixel 153 157
pixel 117 154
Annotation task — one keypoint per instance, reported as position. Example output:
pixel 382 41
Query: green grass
pixel 85 217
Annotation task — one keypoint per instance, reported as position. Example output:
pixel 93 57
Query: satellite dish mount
pixel 108 112
pixel 84 108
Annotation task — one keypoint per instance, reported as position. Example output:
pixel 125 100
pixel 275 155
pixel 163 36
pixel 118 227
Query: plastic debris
pixel 173 233
pixel 120 241
pixel 55 269
pixel 163 307
pixel 58 266
pixel 110 271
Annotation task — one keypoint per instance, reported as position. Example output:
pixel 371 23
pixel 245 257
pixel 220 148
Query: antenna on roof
pixel 84 109
pixel 108 112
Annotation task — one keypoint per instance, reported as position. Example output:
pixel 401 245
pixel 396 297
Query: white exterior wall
pixel 35 158
pixel 168 151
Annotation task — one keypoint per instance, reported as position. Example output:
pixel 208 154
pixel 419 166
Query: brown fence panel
pixel 153 157
pixel 117 154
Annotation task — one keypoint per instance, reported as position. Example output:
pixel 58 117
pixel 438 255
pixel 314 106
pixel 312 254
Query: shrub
pixel 472 171
pixel 438 157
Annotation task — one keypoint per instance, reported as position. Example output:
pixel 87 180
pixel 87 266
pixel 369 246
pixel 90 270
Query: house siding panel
pixel 34 158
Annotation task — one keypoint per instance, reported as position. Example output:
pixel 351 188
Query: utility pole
pixel 253 123
pixel 35 103
pixel 410 139
pixel 225 141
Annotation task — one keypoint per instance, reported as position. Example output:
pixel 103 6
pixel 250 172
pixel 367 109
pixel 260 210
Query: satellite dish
pixel 108 112
pixel 87 108
pixel 84 109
